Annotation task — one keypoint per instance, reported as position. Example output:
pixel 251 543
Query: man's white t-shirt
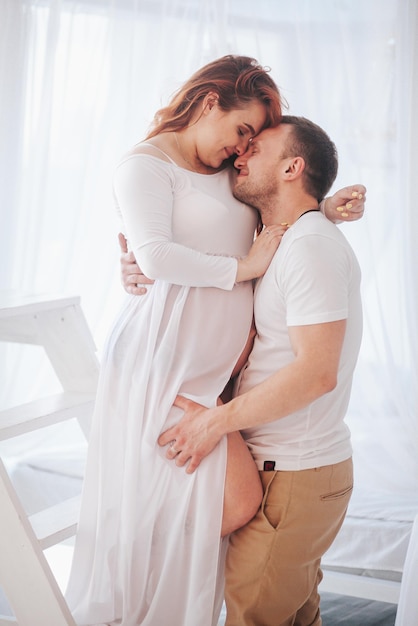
pixel 314 278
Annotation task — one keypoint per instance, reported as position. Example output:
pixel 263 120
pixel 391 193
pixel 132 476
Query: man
pixel 294 391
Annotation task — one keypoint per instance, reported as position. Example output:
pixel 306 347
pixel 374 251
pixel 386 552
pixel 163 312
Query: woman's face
pixel 222 134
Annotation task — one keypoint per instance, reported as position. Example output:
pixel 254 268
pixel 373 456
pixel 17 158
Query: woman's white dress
pixel 148 548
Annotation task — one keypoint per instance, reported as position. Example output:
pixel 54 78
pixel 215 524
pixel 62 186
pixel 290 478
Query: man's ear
pixel 295 167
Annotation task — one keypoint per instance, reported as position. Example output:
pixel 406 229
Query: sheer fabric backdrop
pixel 80 81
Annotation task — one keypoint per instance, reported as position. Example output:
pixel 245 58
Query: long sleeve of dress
pixel 143 188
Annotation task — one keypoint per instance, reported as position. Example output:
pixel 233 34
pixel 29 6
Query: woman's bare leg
pixel 243 490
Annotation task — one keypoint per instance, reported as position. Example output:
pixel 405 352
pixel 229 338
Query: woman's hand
pixel 346 204
pixel 261 253
pixel 132 279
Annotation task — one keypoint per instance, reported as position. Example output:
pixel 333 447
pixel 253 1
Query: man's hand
pixel 346 204
pixel 191 439
pixel 132 279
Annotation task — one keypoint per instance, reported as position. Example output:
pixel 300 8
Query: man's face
pixel 258 183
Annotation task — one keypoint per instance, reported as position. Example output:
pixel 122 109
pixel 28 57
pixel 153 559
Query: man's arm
pixel 317 349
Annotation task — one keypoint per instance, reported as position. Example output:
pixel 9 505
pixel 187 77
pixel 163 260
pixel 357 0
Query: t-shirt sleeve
pixel 316 281
pixel 144 195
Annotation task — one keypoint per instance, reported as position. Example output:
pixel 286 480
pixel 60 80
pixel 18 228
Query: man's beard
pixel 260 196
pixel 246 195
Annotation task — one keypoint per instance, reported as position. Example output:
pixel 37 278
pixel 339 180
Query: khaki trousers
pixel 273 562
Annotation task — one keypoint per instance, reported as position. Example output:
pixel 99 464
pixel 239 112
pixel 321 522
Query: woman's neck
pixel 188 157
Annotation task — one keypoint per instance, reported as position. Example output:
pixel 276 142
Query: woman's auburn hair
pixel 237 81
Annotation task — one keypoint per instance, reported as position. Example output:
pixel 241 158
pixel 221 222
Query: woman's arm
pixel 143 191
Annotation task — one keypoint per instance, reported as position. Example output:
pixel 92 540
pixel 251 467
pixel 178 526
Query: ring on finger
pixel 174 449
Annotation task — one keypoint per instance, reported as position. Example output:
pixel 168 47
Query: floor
pixel 348 611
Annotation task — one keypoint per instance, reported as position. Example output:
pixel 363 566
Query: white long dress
pixel 148 548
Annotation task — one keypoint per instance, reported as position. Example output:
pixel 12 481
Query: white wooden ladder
pixel 58 325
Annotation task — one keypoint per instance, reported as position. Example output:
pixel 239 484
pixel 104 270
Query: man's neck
pixel 289 212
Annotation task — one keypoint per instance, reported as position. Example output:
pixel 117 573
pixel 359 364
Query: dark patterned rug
pixel 347 611
pixel 339 610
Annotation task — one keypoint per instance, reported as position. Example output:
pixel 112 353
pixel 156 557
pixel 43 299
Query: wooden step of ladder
pixel 56 523
pixel 59 326
pixel 47 411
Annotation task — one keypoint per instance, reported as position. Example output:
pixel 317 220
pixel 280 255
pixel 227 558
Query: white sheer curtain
pixel 80 81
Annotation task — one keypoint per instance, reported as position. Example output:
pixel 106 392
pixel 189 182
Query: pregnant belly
pixel 212 331
pixel 192 335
